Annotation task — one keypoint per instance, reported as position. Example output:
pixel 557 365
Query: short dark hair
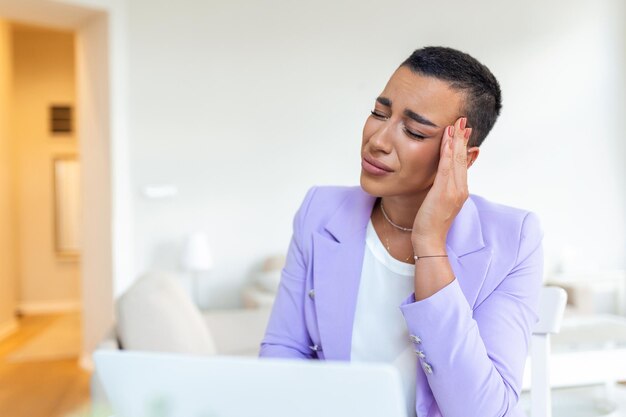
pixel 483 99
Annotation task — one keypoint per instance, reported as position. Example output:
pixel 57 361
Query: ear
pixel 472 155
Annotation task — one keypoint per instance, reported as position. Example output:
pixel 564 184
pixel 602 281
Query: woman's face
pixel 404 133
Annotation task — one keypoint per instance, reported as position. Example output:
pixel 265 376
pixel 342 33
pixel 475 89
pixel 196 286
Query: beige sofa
pixel 157 314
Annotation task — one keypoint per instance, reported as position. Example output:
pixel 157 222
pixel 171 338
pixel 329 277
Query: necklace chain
pixel 386 238
pixel 389 250
pixel 404 229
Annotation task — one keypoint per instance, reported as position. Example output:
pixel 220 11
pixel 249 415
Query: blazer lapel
pixel 337 263
pixel 338 259
pixel 468 255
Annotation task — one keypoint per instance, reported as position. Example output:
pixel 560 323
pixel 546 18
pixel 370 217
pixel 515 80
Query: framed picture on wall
pixel 66 178
pixel 61 119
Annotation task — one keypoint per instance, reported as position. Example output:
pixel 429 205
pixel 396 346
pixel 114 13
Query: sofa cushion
pixel 156 314
pixel 237 332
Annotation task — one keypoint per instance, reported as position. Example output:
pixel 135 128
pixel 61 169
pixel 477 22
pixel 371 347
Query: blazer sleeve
pixel 476 358
pixel 286 335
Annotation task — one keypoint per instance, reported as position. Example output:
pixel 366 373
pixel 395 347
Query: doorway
pixel 106 221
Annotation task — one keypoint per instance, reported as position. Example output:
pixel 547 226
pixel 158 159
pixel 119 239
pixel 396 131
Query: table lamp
pixel 197 258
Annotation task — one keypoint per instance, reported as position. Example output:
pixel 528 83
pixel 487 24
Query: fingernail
pixel 450 131
pixel 463 122
pixel 468 132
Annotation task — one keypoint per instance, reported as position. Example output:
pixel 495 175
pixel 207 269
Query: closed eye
pixel 409 133
pixel 378 115
pixel 414 135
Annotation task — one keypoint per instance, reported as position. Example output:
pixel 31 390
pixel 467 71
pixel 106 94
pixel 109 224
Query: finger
pixel 459 129
pixel 460 154
pixel 445 158
pixel 459 145
pixel 445 139
pixel 461 165
pixel 454 143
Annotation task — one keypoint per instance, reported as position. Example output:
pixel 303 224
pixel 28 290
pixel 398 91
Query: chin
pixel 372 187
pixel 385 188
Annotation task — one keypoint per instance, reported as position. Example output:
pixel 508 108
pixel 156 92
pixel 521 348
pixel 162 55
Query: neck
pixel 402 209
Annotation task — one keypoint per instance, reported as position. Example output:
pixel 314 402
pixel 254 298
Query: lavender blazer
pixel 474 333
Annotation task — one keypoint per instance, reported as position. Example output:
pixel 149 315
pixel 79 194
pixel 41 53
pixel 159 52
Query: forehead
pixel 428 96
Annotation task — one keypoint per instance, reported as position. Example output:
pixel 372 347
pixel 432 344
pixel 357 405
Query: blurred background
pixel 142 136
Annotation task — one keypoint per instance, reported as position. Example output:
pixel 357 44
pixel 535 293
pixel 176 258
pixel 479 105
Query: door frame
pixel 102 103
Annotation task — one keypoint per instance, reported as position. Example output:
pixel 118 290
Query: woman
pixel 409 268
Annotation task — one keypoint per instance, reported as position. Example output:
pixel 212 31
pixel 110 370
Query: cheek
pixel 421 158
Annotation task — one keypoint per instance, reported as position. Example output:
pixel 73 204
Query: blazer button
pixel 415 339
pixel 312 294
pixel 427 368
pixel 420 354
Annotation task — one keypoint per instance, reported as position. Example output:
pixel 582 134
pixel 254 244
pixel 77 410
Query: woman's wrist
pixel 428 246
pixel 431 275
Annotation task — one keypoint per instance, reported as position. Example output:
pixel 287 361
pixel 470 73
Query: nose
pixel 381 138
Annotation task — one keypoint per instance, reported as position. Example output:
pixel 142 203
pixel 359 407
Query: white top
pixel 379 333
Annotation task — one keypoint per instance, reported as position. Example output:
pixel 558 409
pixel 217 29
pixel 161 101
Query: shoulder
pixel 506 226
pixel 494 214
pixel 322 201
pixel 333 194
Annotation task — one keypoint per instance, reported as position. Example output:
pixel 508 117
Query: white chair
pixel 551 309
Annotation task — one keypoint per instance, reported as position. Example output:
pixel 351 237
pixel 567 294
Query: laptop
pixel 149 384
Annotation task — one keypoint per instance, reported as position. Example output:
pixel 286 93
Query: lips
pixel 377 164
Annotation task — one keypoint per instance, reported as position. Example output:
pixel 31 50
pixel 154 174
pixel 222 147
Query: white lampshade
pixel 197 253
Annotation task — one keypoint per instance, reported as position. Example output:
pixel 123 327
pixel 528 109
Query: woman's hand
pixel 447 194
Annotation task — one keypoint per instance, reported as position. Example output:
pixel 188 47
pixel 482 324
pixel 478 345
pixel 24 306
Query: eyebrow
pixel 408 113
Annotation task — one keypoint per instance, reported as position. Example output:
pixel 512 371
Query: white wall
pixel 43 61
pixel 8 272
pixel 244 105
pixel 559 142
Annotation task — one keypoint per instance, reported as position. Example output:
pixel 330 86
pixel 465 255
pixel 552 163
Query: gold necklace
pixel 389 249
